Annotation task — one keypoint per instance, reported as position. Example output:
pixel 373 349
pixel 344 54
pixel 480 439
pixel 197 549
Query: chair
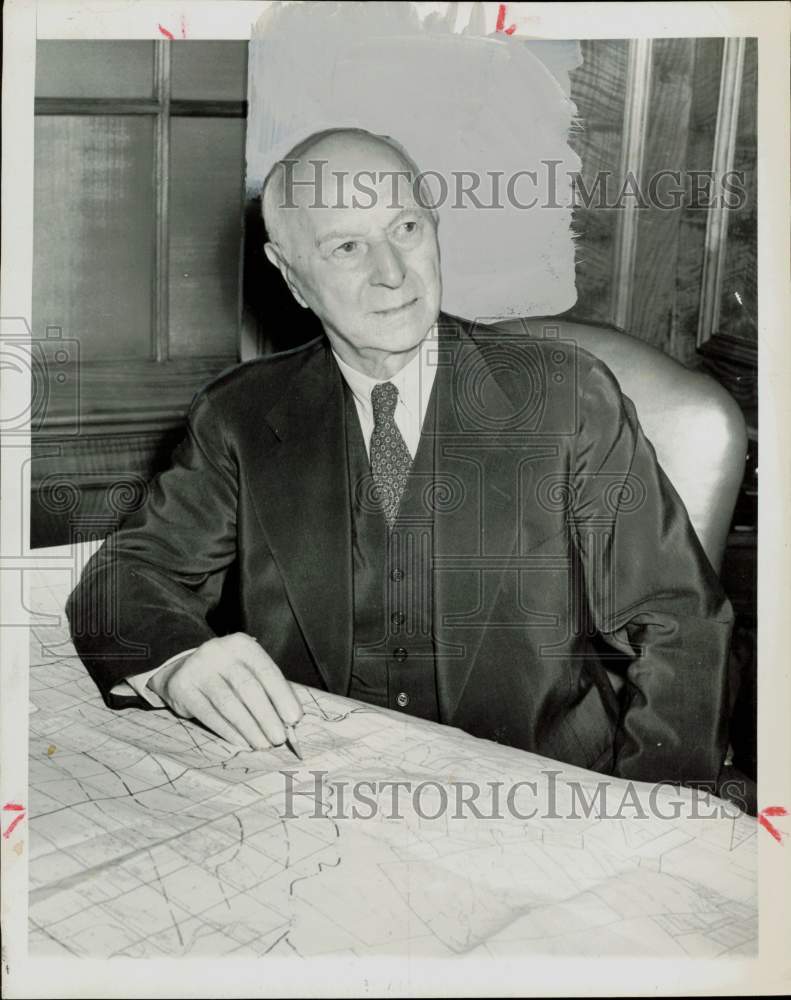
pixel 694 424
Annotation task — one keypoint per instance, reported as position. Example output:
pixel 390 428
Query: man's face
pixel 368 264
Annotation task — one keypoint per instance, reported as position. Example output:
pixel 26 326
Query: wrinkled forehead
pixel 347 177
pixel 358 190
pixel 346 181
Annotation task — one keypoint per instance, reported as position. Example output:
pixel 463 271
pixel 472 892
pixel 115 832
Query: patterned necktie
pixel 390 458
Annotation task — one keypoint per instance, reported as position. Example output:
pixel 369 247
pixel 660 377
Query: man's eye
pixel 408 231
pixel 347 248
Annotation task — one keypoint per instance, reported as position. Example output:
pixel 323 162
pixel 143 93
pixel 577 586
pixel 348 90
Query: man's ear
pixel 275 256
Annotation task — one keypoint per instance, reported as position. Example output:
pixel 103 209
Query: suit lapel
pixel 475 534
pixel 302 497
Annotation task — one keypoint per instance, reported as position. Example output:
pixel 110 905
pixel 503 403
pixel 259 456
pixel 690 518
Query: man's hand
pixel 234 688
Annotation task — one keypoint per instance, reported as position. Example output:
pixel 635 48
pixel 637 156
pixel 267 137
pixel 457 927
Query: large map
pixel 150 837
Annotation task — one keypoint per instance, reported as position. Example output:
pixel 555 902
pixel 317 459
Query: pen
pixel 291 742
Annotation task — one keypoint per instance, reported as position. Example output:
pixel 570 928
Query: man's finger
pixel 279 690
pixel 227 702
pixel 203 710
pixel 255 698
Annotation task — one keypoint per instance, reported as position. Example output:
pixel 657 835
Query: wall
pixel 137 251
pixel 138 290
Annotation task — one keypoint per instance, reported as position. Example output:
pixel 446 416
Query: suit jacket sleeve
pixel 145 595
pixel 653 595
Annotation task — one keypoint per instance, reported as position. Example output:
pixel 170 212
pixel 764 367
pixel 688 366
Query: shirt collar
pixel 413 381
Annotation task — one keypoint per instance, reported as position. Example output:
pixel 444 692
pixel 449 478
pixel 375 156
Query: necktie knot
pixel 384 397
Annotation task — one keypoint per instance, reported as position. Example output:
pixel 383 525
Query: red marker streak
pixel 165 32
pixel 13 807
pixel 17 819
pixel 501 21
pixel 770 827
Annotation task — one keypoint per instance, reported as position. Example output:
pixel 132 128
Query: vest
pixel 393 662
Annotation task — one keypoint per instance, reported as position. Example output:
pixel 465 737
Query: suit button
pixel 398 618
pixel 402 700
pixel 400 654
pixel 397 575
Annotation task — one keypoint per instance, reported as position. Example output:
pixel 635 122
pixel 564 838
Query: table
pixel 150 837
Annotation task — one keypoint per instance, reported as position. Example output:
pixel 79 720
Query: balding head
pixel 335 167
pixel 350 232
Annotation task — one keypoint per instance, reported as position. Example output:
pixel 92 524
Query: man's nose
pixel 388 268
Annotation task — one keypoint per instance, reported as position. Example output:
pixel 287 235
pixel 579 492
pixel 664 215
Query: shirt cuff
pixel 137 684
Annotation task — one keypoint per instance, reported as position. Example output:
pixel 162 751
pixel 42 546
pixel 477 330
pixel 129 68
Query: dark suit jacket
pixel 559 547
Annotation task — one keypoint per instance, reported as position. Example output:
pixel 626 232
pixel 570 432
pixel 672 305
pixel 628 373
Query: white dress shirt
pixel 414 383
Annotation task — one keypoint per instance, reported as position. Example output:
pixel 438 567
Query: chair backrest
pixel 696 427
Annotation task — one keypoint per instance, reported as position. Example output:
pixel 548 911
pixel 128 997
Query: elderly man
pixel 416 512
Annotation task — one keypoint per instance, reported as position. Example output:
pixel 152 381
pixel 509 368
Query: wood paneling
pixel 212 71
pixel 740 278
pixel 94 69
pixel 93 233
pixel 598 89
pixel 206 204
pixel 97 275
pixel 666 140
pixel 106 395
pixel 629 202
pixel 96 106
pixel 692 228
pixel 665 273
pixel 208 109
pixel 136 290
pixel 138 106
pixel 88 484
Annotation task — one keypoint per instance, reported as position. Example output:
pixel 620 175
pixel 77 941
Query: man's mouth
pixel 396 309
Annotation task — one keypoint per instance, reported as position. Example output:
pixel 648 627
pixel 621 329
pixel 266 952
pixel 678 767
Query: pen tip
pixel 292 742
